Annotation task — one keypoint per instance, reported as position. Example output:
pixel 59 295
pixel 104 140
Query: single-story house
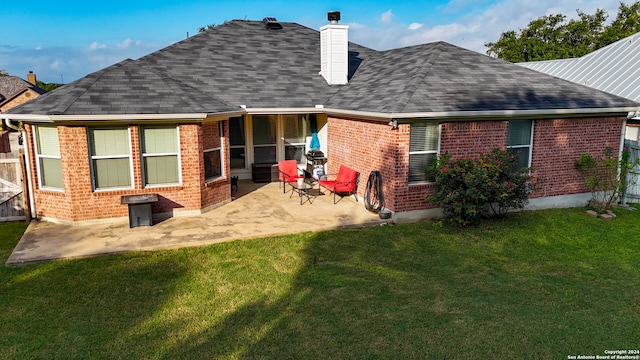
pixel 15 91
pixel 181 121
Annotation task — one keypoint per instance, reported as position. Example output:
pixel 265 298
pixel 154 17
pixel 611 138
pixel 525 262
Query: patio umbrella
pixel 315 143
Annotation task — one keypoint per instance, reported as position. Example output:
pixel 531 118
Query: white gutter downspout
pixel 27 164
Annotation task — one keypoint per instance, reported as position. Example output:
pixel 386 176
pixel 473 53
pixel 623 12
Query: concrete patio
pixel 259 210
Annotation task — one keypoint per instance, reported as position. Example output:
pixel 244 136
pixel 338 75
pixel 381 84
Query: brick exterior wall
pixel 557 145
pixel 367 145
pixel 27 95
pixel 79 202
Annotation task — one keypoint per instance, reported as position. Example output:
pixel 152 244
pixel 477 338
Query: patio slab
pixel 260 210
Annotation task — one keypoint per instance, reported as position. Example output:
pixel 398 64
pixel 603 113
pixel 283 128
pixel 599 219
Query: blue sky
pixel 62 41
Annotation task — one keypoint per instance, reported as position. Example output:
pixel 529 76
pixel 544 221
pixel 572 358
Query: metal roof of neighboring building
pixel 614 68
pixel 243 63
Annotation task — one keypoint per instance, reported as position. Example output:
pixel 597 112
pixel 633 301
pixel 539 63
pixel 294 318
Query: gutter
pixel 320 109
pixel 484 115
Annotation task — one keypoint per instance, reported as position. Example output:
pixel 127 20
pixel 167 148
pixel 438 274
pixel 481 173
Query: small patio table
pixel 305 190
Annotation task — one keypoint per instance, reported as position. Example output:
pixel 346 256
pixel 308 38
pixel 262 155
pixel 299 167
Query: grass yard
pixel 538 285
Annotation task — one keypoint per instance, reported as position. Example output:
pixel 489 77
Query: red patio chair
pixel 344 184
pixel 288 173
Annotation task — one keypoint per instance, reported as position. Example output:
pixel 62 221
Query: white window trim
pixel 40 156
pixel 144 155
pixel 91 158
pixel 282 143
pixel 247 135
pixel 530 146
pixel 436 152
pixel 222 172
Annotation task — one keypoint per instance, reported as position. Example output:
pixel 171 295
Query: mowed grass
pixel 536 285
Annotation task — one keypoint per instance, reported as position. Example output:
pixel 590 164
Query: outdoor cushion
pixel 345 183
pixel 288 172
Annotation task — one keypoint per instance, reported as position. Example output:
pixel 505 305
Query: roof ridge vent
pixel 272 23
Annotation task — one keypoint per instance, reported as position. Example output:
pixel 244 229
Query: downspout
pixel 27 163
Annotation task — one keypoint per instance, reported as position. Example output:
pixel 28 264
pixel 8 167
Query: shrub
pixel 606 177
pixel 471 189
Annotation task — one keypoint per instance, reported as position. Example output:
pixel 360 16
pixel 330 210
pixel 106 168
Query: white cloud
pixel 96 45
pixel 56 65
pixel 39 47
pixel 125 44
pixel 473 30
pixel 386 17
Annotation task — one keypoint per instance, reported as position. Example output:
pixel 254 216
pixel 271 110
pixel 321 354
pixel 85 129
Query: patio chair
pixel 344 184
pixel 288 170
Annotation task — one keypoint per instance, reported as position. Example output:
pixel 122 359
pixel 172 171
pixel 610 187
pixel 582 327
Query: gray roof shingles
pixel 11 85
pixel 244 63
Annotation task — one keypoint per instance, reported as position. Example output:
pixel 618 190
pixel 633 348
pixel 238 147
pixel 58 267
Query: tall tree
pixel 626 24
pixel 552 37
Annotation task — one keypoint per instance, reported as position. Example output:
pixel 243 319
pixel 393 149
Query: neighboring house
pixel 181 121
pixel 614 68
pixel 15 91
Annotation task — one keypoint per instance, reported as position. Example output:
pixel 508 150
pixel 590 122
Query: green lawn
pixel 537 285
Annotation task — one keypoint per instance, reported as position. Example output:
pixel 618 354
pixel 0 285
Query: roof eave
pixel 486 114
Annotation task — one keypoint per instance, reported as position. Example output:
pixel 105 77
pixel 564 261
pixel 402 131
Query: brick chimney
pixel 334 50
pixel 31 78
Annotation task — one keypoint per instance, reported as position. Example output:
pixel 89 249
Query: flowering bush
pixel 470 189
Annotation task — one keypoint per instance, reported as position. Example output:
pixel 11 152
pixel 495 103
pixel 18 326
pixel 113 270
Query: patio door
pixel 265 130
pixel 265 139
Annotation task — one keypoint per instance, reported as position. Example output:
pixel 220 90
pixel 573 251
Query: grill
pixel 315 163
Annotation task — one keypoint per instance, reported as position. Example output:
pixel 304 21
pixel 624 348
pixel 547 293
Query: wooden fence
pixel 14 202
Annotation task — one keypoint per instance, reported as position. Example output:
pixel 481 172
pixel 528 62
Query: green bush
pixel 606 177
pixel 471 189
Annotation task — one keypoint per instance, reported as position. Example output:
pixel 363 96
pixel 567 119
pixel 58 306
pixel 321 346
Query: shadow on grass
pixel 536 285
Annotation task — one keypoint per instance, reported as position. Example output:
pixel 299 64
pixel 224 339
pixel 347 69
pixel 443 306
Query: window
pixel 160 158
pixel 213 151
pixel 296 129
pixel 423 150
pixel 264 139
pixel 48 157
pixel 237 143
pixel 110 152
pixel 519 142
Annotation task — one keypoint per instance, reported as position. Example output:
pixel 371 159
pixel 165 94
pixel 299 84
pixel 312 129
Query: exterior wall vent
pixel 334 50
pixel 272 23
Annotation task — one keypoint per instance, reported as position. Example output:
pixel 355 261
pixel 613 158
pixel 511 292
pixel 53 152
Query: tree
pixel 552 37
pixel 47 86
pixel 627 23
pixel 3 73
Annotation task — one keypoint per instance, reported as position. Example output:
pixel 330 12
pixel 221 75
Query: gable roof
pixel 242 66
pixel 614 68
pixel 11 86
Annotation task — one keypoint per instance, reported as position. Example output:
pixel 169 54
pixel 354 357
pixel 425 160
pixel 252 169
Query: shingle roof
pixel 440 77
pixel 11 85
pixel 244 63
pixel 125 88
